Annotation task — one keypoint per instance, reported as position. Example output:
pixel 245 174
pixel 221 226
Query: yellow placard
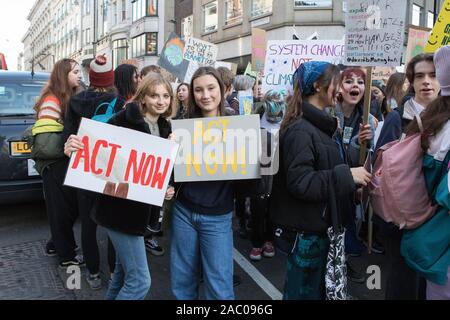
pixel 19 148
pixel 440 36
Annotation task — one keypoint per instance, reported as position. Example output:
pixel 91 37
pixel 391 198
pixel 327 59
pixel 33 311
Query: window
pixel 210 16
pixel 233 11
pixel 187 27
pixel 105 17
pixel 260 7
pixel 143 8
pixel 430 19
pixel 120 51
pixel 344 5
pixel 87 34
pixel 87 7
pixel 314 3
pixel 145 44
pixel 124 10
pixel 416 14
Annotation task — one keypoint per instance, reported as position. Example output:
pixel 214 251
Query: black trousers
pixel 403 283
pixel 61 203
pixel 262 228
pixel 86 205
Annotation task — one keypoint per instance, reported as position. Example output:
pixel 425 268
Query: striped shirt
pixel 50 108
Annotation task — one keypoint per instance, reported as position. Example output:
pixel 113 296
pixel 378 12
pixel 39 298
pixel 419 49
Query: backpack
pixel 398 192
pixel 108 113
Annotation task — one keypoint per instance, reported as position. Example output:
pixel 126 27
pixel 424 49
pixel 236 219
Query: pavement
pixel 28 274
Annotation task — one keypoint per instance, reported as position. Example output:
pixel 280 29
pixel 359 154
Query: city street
pixel 26 273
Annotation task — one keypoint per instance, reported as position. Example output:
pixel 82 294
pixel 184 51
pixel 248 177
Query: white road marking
pixel 257 276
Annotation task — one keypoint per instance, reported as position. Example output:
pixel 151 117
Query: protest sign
pixel 201 52
pixel 229 65
pixel 249 72
pixel 171 57
pixel 383 73
pixel 259 46
pixel 417 39
pixel 285 56
pixel 121 162
pixel 245 102
pixel 374 32
pixel 440 35
pixel 223 148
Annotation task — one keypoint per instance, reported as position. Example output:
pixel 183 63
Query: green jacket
pixel 47 145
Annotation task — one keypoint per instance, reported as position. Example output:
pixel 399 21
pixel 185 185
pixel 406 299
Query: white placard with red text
pixel 122 162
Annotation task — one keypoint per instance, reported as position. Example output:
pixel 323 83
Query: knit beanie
pixel 101 74
pixel 442 65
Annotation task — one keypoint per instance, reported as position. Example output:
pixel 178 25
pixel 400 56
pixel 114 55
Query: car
pixel 19 181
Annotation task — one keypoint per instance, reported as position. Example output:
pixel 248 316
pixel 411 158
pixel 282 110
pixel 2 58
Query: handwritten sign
pixel 221 148
pixel 121 162
pixel 201 52
pixel 417 40
pixel 171 57
pixel 249 72
pixel 259 46
pixel 440 36
pixel 245 102
pixel 374 32
pixel 285 56
pixel 383 73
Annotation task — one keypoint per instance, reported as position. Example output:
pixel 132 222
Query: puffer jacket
pixel 311 161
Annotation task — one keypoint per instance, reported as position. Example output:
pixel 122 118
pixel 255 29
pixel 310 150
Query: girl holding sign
pixel 202 237
pixel 313 186
pixel 125 220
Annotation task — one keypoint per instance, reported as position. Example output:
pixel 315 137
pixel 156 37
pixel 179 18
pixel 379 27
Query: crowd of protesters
pixel 316 132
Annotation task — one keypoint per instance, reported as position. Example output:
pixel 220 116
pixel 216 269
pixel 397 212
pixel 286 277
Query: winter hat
pixel 442 65
pixel 101 74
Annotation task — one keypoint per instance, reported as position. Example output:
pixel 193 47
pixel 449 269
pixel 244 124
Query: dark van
pixel 19 181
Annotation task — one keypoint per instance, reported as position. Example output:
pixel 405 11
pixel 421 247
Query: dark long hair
pixel 58 85
pixel 123 80
pixel 294 109
pixel 433 118
pixel 194 110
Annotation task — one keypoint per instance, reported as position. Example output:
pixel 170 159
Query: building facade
pixel 38 40
pixel 81 29
pixel 137 29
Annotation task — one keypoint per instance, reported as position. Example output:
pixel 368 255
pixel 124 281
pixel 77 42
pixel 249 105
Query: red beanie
pixel 101 74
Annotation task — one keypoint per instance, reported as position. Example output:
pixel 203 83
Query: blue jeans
pixel 131 278
pixel 201 244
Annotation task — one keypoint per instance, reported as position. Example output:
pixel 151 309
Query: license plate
pixel 19 148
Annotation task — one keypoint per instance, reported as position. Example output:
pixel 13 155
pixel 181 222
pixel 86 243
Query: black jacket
pixel 127 216
pixel 83 105
pixel 311 162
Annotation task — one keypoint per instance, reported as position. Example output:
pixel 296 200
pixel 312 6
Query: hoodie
pixel 84 105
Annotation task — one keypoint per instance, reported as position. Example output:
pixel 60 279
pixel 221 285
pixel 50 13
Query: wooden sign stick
pixel 363 148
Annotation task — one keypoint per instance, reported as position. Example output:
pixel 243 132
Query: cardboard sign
pixel 220 148
pixel 417 40
pixel 374 32
pixel 122 163
pixel 249 72
pixel 171 57
pixel 440 36
pixel 383 73
pixel 201 52
pixel 285 56
pixel 245 102
pixel 229 65
pixel 259 45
